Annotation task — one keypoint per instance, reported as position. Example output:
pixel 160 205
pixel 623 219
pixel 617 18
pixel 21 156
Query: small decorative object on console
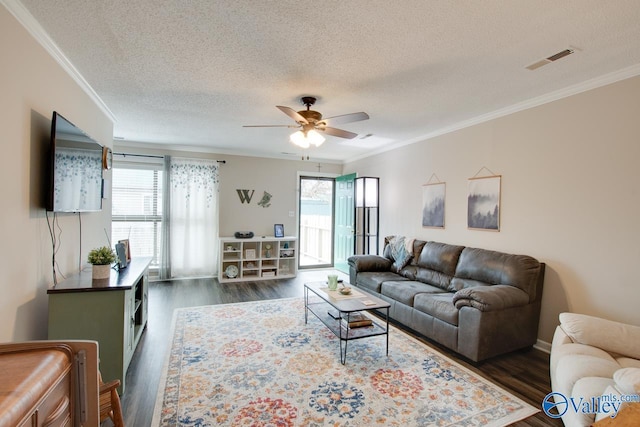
pixel 278 230
pixel 101 259
pixel 243 234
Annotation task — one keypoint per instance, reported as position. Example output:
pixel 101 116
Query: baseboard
pixel 543 346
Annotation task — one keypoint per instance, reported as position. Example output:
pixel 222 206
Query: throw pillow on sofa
pixel 399 253
pixel 627 380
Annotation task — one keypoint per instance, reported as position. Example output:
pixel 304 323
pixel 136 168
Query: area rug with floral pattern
pixel 259 364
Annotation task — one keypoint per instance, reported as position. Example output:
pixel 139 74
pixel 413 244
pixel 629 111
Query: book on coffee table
pixel 356 320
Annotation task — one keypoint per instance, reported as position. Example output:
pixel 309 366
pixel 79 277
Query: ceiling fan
pixel 310 122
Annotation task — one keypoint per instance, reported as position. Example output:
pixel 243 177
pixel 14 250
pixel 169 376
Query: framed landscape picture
pixel 483 203
pixel 433 205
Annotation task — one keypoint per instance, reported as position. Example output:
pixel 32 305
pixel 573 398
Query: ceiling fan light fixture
pixel 305 139
pixel 315 138
pixel 299 139
pixel 310 122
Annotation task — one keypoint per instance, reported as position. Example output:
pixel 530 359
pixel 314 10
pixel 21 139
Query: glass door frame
pixel 319 175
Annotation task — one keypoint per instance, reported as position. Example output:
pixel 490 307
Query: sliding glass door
pixel 316 222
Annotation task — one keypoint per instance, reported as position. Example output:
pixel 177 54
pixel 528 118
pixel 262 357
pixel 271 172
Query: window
pixel 137 207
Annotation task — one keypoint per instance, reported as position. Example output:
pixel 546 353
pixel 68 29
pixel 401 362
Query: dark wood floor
pixel 524 373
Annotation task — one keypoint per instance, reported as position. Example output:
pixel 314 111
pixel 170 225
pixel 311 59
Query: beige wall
pixel 32 86
pixel 278 178
pixel 275 176
pixel 570 195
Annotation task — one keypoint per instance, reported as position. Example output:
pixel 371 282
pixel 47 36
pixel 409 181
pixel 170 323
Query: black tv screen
pixel 76 169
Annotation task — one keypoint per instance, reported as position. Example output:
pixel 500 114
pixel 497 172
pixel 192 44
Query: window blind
pixel 137 207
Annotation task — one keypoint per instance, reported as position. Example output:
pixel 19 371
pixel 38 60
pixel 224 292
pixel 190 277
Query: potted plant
pixel 101 260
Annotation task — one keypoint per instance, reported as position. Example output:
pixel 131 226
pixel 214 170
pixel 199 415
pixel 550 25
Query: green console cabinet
pixel 111 311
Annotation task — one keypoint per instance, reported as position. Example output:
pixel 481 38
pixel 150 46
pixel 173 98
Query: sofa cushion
pixel 405 291
pixel 585 388
pixel 608 335
pixel 440 257
pixel 628 362
pixel 627 380
pixel 373 280
pixel 572 368
pixel 438 305
pixel 435 265
pixel 368 263
pixel 496 268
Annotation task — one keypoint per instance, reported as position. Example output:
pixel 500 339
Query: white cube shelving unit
pixel 258 258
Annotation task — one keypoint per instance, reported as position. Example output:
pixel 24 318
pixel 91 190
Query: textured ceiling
pixel 192 73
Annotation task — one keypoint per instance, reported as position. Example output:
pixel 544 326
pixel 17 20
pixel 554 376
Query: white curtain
pixel 193 217
pixel 78 180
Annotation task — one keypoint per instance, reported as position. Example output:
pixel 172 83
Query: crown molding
pixel 151 147
pixel 24 17
pixel 585 86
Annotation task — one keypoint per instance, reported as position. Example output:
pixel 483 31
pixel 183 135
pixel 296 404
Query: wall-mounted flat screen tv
pixel 76 169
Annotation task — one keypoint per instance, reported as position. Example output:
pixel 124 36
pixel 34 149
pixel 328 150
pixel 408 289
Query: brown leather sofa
pixel 477 302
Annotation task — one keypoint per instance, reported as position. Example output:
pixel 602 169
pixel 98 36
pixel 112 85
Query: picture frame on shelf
pixel 127 248
pixel 250 253
pixel 278 230
pixel 121 252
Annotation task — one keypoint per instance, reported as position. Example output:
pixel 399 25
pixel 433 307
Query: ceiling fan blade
pixel 338 132
pixel 270 126
pixel 293 114
pixel 346 118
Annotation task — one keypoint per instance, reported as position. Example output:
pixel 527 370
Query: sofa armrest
pixel 607 335
pixel 490 298
pixel 369 263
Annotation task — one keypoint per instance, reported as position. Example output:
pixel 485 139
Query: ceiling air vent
pixel 550 59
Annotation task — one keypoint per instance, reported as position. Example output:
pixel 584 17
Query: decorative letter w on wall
pixel 245 195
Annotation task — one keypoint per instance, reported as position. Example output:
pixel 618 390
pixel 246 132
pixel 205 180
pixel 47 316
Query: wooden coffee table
pixel 323 303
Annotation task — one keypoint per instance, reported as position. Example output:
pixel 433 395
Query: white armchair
pixel 592 357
